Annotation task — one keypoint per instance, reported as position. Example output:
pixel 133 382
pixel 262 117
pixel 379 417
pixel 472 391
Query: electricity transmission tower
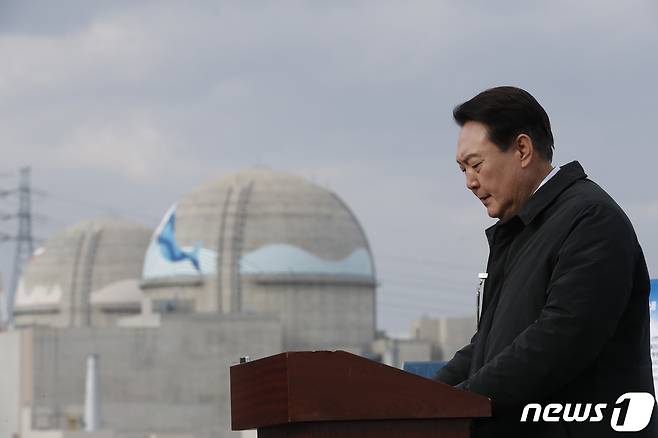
pixel 24 241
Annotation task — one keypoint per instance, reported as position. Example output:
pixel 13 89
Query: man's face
pixel 492 175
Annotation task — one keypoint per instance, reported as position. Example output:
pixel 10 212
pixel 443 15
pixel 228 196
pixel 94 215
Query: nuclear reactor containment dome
pixel 87 275
pixel 262 241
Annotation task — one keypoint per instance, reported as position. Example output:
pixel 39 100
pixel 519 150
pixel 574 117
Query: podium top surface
pixel 339 386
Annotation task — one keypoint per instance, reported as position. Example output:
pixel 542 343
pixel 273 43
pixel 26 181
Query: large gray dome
pixel 58 284
pixel 259 222
pixel 238 243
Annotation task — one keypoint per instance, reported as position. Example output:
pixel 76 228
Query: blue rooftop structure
pixel 424 369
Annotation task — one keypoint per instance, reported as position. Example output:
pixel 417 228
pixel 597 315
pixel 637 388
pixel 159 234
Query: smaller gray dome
pixel 62 274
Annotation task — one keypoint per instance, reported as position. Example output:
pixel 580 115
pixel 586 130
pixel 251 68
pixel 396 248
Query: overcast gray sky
pixel 127 105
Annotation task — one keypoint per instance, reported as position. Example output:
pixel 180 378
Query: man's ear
pixel 525 149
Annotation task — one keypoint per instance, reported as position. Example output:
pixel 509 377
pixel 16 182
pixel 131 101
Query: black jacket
pixel 565 315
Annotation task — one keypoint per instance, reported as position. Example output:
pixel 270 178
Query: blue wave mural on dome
pixel 166 258
pixel 288 259
pixel 167 242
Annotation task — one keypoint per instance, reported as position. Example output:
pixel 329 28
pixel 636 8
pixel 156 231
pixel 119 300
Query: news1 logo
pixel 631 412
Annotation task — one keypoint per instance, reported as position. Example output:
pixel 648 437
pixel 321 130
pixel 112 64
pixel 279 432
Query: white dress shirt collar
pixel 555 170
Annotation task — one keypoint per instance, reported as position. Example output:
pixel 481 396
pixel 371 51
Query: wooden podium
pixel 338 394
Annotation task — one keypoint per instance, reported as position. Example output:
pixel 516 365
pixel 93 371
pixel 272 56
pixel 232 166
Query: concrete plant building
pixel 153 382
pixel 447 335
pixel 251 264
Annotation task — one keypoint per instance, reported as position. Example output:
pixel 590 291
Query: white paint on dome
pixel 37 295
pixel 287 259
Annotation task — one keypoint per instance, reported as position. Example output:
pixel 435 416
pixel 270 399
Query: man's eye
pixel 462 170
pixel 477 166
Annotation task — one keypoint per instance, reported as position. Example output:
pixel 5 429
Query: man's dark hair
pixel 508 112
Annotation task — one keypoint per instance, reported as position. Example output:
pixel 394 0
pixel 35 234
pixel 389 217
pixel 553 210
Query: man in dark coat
pixel 565 314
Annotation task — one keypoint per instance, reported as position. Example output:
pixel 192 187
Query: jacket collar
pixel 566 176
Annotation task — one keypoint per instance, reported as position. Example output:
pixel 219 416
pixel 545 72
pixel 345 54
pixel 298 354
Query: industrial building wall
pixel 395 352
pixel 447 334
pixel 171 379
pixel 10 381
pixel 317 316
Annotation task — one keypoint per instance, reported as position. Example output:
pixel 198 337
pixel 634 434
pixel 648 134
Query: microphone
pixel 483 277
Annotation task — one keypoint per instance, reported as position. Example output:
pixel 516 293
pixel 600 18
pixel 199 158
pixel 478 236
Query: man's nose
pixel 471 181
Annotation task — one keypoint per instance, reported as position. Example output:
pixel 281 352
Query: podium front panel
pixel 445 428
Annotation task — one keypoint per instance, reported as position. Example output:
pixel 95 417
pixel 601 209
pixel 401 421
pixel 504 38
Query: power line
pixel 110 210
pixel 424 264
pixel 436 284
pixel 426 289
pixel 420 261
pixel 37 216
pixel 413 301
pixel 416 312
pixel 75 201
